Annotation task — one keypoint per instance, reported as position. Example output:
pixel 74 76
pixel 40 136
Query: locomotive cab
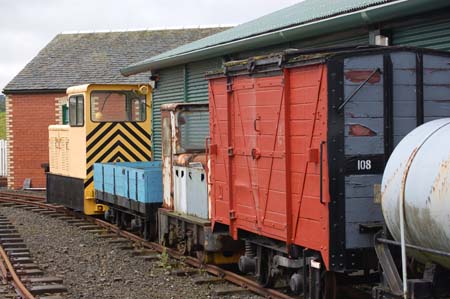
pixel 184 219
pixel 107 123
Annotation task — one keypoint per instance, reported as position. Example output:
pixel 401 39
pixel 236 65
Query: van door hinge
pixel 230 152
pixel 229 87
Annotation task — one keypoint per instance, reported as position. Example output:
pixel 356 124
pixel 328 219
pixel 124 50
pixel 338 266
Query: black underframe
pixel 143 210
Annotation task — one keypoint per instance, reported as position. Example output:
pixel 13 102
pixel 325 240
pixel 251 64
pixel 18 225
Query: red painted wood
pixel 262 181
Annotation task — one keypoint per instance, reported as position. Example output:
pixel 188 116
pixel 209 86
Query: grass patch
pixel 2 125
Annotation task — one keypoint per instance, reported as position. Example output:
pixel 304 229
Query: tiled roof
pixel 81 58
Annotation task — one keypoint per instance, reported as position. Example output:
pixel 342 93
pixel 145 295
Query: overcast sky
pixel 26 26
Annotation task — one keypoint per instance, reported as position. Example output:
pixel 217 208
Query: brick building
pixel 36 96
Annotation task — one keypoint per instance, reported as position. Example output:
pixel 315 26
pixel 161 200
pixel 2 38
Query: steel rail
pixel 212 269
pixel 18 284
pixel 23 195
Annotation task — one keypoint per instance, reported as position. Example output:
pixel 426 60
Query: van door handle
pixel 321 171
pixel 255 124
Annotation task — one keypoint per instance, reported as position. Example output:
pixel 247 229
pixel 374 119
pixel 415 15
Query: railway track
pixel 38 204
pixel 21 276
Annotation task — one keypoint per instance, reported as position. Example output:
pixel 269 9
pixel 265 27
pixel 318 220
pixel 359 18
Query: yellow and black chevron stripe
pixel 112 142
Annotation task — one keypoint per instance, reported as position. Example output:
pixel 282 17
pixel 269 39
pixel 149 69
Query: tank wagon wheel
pixel 145 232
pixel 267 276
pixel 314 283
pixel 329 287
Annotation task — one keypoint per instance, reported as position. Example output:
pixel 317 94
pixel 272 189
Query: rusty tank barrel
pixel 417 178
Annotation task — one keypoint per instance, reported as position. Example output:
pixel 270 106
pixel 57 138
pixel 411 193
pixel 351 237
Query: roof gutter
pixel 345 21
pixel 32 91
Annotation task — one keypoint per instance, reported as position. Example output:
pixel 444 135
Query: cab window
pixel 76 111
pixel 118 106
pixel 193 129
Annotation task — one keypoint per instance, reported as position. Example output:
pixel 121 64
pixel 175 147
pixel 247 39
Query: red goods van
pixel 297 150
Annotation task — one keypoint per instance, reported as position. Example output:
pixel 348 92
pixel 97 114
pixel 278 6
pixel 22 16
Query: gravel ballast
pixel 94 268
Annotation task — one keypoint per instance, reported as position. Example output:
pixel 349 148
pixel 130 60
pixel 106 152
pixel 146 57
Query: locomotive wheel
pixel 200 255
pixel 181 247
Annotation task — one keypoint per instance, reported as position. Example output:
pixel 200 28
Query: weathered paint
pixel 364 136
pixel 180 165
pixel 418 175
pixel 358 76
pixel 360 130
pixel 249 172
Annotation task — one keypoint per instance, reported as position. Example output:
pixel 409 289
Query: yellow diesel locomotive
pixel 107 123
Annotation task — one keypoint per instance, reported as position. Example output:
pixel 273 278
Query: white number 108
pixel 364 164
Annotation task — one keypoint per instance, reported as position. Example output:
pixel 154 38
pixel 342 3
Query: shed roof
pixel 303 19
pixel 80 58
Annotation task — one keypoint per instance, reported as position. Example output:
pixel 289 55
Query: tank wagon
pixel 298 146
pixel 107 123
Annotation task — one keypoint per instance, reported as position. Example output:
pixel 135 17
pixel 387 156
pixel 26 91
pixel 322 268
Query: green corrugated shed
pixel 197 86
pixel 303 12
pixel 169 89
pixel 185 83
pixel 429 34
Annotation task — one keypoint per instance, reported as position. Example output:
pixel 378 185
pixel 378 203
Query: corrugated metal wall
pixel 432 34
pixel 197 86
pixel 184 83
pixel 359 38
pixel 170 88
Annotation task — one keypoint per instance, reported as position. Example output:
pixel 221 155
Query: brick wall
pixel 111 106
pixel 28 118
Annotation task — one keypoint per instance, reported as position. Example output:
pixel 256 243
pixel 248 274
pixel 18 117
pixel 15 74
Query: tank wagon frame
pixel 299 142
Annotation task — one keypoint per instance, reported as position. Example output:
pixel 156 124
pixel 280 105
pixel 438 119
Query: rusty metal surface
pixel 185 159
pixel 360 130
pixel 417 177
pixel 173 117
pixel 18 284
pixel 358 76
pixel 27 195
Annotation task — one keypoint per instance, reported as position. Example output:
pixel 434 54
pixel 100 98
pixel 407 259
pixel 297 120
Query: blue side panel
pixel 139 181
